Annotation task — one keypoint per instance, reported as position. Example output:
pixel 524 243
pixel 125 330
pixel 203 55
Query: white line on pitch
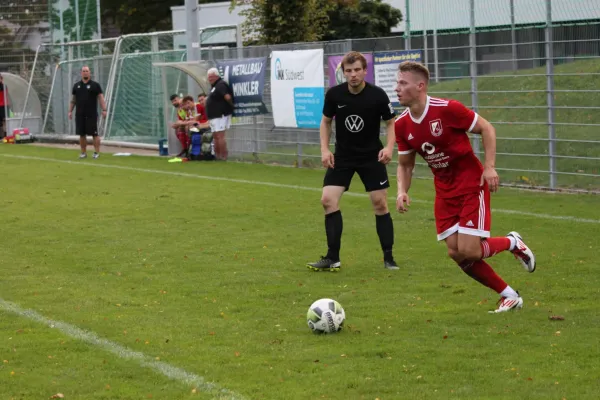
pixel 285 186
pixel 159 367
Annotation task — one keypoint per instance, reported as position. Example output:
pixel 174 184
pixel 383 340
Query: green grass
pixel 209 276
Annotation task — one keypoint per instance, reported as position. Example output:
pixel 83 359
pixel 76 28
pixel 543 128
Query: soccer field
pixel 132 278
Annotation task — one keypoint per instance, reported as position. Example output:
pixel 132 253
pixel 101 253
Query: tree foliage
pixel 362 19
pixel 289 21
pixel 283 21
pixel 139 16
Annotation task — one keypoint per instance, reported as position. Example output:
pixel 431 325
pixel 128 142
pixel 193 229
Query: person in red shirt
pixel 185 119
pixel 201 109
pixel 3 107
pixel 437 130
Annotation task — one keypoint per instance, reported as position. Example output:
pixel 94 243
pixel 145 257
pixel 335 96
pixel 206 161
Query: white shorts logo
pixel 428 148
pixel 354 123
pixel 436 127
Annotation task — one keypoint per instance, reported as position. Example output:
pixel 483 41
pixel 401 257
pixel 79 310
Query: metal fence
pixel 26 24
pixel 23 26
pixel 124 67
pixel 57 68
pixel 539 85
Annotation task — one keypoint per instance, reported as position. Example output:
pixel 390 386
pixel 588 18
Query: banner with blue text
pixel 297 88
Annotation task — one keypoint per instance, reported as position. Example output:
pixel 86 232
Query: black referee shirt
pixel 86 98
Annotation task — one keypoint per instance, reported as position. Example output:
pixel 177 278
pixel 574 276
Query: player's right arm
pixel 72 103
pixel 406 165
pixel 180 119
pixel 329 108
pixel 327 157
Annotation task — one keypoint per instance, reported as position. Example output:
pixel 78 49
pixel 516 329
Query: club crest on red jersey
pixel 436 127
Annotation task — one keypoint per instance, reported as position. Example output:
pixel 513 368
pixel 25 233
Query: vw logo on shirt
pixel 354 123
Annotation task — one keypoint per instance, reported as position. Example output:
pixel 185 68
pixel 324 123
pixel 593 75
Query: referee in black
pixel 86 94
pixel 358 108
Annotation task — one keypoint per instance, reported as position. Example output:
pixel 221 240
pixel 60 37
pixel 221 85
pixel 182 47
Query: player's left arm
pixel 488 134
pixel 226 94
pixel 102 104
pixel 101 98
pixel 202 125
pixel 387 114
pixel 229 99
pixel 385 155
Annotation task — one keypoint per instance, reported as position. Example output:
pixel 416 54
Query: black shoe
pixel 325 264
pixel 390 264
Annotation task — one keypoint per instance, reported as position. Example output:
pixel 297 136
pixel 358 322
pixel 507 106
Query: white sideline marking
pixel 285 186
pixel 174 373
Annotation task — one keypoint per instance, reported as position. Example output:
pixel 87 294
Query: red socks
pixel 492 246
pixel 483 273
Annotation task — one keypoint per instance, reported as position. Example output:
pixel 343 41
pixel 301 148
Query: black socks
pixel 385 231
pixel 334 226
pixel 333 229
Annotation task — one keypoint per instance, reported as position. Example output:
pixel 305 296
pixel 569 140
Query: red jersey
pixel 440 137
pixel 201 113
pixel 3 89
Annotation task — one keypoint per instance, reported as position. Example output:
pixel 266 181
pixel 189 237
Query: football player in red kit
pixel 437 130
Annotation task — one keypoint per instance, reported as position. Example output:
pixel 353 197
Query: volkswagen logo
pixel 354 123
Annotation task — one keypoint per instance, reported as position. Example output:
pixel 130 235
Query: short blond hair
pixel 415 68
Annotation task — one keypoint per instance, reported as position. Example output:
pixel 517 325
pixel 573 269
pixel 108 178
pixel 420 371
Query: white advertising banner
pixel 386 69
pixel 297 88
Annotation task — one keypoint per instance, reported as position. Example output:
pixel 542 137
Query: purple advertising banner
pixel 336 74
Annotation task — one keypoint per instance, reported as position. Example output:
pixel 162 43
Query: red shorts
pixel 469 214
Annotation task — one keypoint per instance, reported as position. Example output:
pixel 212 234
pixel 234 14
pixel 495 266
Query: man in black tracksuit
pixel 86 94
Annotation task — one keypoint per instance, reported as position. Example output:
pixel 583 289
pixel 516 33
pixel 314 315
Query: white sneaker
pixel 83 155
pixel 96 156
pixel 507 303
pixel 522 252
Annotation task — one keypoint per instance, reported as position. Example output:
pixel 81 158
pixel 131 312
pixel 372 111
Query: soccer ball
pixel 326 316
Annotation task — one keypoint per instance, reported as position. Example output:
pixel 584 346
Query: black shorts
pixel 86 126
pixel 373 175
pixel 2 113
